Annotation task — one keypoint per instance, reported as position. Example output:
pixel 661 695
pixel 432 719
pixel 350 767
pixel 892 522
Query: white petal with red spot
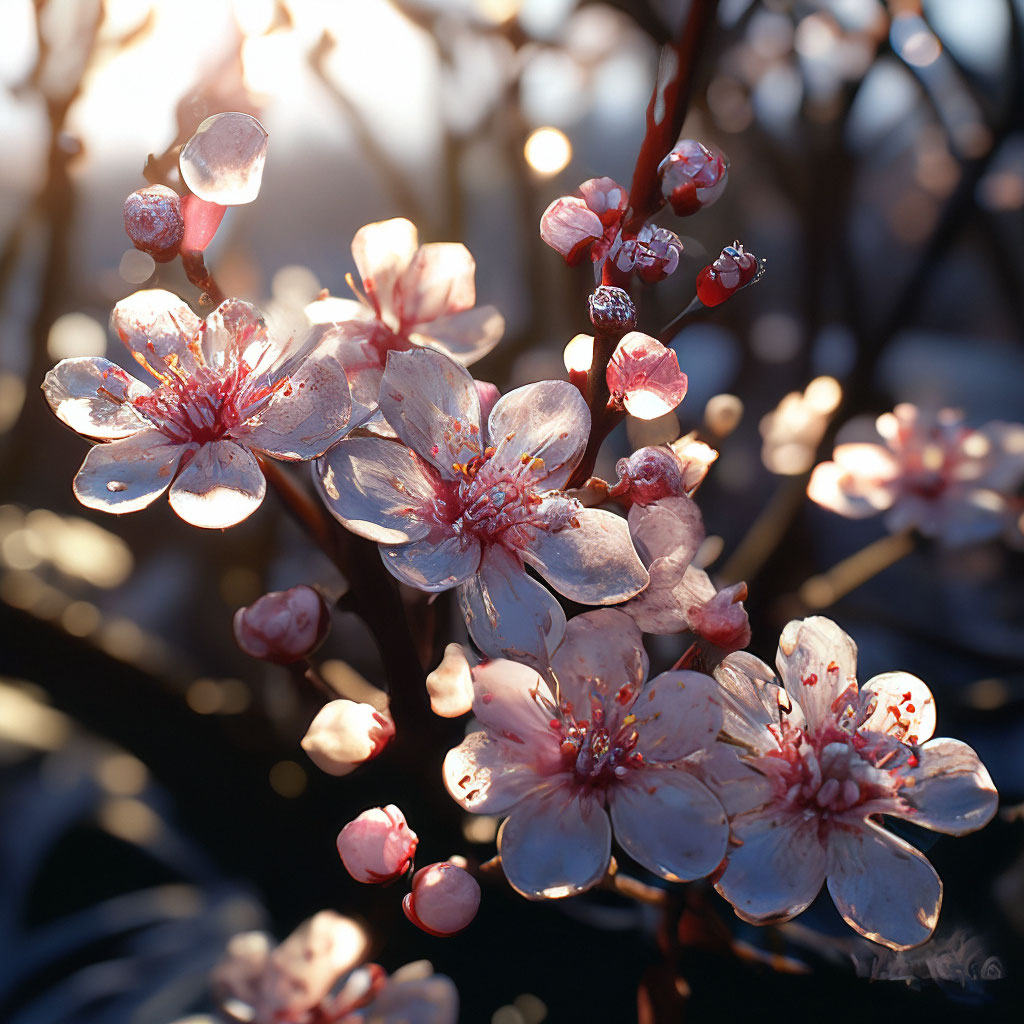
pixel 159 329
pixel 817 662
pixel 677 714
pixel 93 397
pixel 382 252
pixel 904 707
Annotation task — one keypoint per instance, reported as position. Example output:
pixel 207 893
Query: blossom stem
pixel 626 885
pixel 825 589
pixel 196 270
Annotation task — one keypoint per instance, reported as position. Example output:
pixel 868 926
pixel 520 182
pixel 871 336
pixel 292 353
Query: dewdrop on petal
pixel 377 846
pixel 444 899
pixel 450 685
pixel 223 162
pixel 344 734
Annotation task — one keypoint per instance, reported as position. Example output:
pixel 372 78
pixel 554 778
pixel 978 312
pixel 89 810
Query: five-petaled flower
pixel 458 502
pixel 226 389
pixel 831 757
pixel 607 741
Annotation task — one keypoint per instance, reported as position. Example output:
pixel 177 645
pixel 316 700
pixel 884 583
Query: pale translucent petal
pixel 378 489
pixel 883 887
pixel 548 421
pixel 555 845
pixel 666 536
pixel 644 375
pixel 305 417
pixel 431 1000
pixel 749 697
pixel 432 403
pixel 1005 469
pixel 438 282
pixel 93 396
pixel 127 475
pixel 952 792
pixel 466 336
pixel 905 707
pixel 435 563
pixel 486 776
pixel 332 309
pixel 677 714
pixel 221 486
pixel 817 662
pixel 223 162
pixel 159 329
pixel 669 822
pixel 508 614
pixel 866 464
pixel 356 345
pixel 593 563
pixel 382 251
pixel 778 871
pixel 569 227
pixel 233 329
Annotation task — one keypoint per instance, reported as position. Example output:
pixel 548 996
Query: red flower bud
pixel 153 221
pixel 734 269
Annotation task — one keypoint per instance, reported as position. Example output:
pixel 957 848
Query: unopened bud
pixel 344 734
pixel 444 899
pixel 153 221
pixel 649 475
pixel 378 845
pixel 283 626
pixel 722 414
pixel 734 269
pixel 450 685
pixel 693 176
pixel 653 253
pixel 611 309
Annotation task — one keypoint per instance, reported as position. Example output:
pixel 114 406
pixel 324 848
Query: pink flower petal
pixel 952 792
pixel 93 397
pixel 409 998
pixel 549 421
pixel 645 377
pixel 158 329
pixel 749 697
pixel 677 714
pixel 508 614
pixel 834 488
pixel 905 707
pixel 382 252
pixel 817 662
pixel 666 536
pixel 435 563
pixel 607 198
pixel 669 822
pixel 488 395
pixel 353 344
pixel 378 489
pixel 778 871
pixel 570 227
pixel 432 403
pixel 882 886
pixel 128 475
pixel 466 336
pixel 229 332
pixel 221 486
pixel 486 776
pixel 201 222
pixel 594 563
pixel 555 845
pixel 438 282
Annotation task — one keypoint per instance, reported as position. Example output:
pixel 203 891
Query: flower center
pixel 597 754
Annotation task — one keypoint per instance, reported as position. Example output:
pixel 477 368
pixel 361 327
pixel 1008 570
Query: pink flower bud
pixel 607 198
pixel 611 309
pixel 734 269
pixel 444 899
pixel 283 626
pixel 643 376
pixel 344 734
pixel 653 253
pixel 572 224
pixel 692 176
pixel 450 685
pixel 649 475
pixel 377 846
pixel 153 221
pixel 201 222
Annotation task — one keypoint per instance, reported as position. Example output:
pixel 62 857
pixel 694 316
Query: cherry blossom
pixel 377 846
pixel 457 502
pixel 227 389
pixel 444 898
pixel 576 226
pixel 830 757
pixel 667 534
pixel 931 472
pixel 644 378
pixel 609 743
pixel 693 176
pixel 652 252
pixel 732 270
pixel 345 734
pixel 413 295
pixel 283 626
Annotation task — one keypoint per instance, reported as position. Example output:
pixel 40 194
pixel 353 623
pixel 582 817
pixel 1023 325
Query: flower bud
pixel 283 626
pixel 153 221
pixel 692 176
pixel 653 253
pixel 611 309
pixel 378 845
pixel 577 225
pixel 734 269
pixel 649 475
pixel 444 899
pixel 450 685
pixel 344 734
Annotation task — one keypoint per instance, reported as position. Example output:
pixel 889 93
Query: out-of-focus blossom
pixel 610 743
pixel 344 734
pixel 317 976
pixel 959 958
pixel 413 295
pixel 227 389
pixel 283 626
pixel 223 162
pixel 693 176
pixel 829 758
pixel 444 899
pixel 644 378
pixel 460 503
pixel 588 223
pixel 450 685
pixel 680 596
pixel 931 472
pixel 152 220
pixel 792 431
pixel 378 845
pixel 653 253
pixel 732 270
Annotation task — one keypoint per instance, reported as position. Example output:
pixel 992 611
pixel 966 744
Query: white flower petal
pixel 382 251
pixel 236 328
pixel 485 776
pixel 438 282
pixel 466 336
pixel 159 329
pixel 435 563
pixel 221 486
pixel 93 397
pixel 817 662
pixel 677 714
pixel 905 707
